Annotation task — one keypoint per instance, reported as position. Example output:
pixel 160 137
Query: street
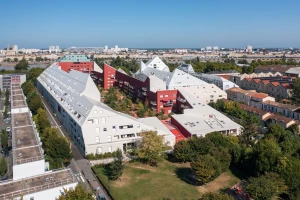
pixel 3 126
pixel 78 164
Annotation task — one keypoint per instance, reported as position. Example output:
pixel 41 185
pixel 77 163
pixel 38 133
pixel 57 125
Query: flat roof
pixel 26 147
pixel 18 104
pixel 51 179
pixel 18 97
pixel 16 92
pixel 25 137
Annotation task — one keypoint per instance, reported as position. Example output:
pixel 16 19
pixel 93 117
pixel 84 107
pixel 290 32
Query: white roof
pixel 188 68
pixel 197 94
pixel 294 70
pixel 157 63
pixel 204 120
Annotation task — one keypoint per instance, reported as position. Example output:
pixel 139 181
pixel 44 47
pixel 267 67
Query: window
pixel 31 198
pixel 99 150
pixel 161 96
pixel 220 95
pixel 211 96
pixel 114 128
pixel 104 129
pixel 166 95
pixel 96 121
pixel 109 138
pixel 97 139
pixel 110 149
pixel 97 130
pixel 103 120
pixel 90 121
pixel 138 125
pixel 116 137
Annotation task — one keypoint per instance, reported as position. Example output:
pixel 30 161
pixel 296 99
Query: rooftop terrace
pixel 10 189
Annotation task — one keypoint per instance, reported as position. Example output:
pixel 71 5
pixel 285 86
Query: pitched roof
pixel 259 95
pixel 287 85
pixel 282 105
pixel 275 68
pixel 265 82
pixel 256 80
pixel 275 83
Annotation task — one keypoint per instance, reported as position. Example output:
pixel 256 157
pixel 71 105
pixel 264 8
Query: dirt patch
pixel 122 181
pixel 222 181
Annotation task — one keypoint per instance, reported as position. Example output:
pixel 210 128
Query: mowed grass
pixel 168 180
pixel 144 182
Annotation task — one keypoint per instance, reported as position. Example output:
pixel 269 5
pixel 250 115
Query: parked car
pixel 101 197
pixel 8 129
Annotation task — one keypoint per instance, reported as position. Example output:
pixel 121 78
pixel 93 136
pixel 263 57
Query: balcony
pixel 168 104
pixel 131 86
pixel 121 82
pixel 144 89
pixel 116 80
pixel 181 100
pixel 144 93
pixel 126 83
pixel 153 103
pixel 184 106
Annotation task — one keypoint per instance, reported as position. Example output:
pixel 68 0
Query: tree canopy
pixel 22 65
pixel 79 193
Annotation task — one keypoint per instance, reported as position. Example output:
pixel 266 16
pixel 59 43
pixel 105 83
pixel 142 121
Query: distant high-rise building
pixel 215 48
pixel 249 49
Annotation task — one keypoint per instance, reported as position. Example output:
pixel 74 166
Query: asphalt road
pixel 3 126
pixel 78 164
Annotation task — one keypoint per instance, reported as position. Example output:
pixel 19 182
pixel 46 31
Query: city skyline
pixel 154 24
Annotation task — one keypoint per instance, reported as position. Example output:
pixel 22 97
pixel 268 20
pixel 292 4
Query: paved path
pixel 78 164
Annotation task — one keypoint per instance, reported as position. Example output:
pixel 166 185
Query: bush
pixel 92 156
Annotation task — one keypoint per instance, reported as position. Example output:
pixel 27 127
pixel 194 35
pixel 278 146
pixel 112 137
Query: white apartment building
pixel 31 180
pixel 155 63
pixel 7 79
pixel 93 126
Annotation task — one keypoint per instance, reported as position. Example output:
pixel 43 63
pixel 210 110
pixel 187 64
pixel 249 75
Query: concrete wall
pixel 28 169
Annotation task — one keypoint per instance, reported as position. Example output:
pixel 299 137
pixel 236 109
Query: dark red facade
pixel 160 100
pixel 182 130
pixel 86 67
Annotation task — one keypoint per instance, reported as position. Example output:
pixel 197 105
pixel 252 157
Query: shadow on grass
pixel 238 173
pixel 186 175
pixel 171 158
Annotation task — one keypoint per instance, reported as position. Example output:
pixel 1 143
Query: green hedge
pixel 100 156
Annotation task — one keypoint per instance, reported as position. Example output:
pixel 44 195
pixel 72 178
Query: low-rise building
pixel 238 78
pixel 288 110
pixel 278 87
pixel 274 68
pixel 248 97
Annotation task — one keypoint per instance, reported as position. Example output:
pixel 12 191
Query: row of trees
pixel 22 65
pixel 273 160
pixel 4 144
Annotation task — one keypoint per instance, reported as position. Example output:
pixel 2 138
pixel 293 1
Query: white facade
pixel 158 64
pixel 206 93
pixel 93 126
pixel 180 50
pixel 249 49
pixel 221 82
pixel 188 68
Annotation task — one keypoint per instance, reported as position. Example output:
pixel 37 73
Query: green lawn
pixel 149 183
pixel 141 181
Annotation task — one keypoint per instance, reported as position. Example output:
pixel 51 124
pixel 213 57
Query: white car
pixel 8 129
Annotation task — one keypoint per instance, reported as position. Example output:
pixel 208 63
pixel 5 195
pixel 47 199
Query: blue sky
pixel 150 23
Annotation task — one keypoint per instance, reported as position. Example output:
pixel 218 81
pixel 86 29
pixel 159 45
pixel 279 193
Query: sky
pixel 150 23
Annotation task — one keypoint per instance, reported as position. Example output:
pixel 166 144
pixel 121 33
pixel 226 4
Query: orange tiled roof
pixel 259 95
pixel 256 80
pixel 287 85
pixel 265 82
pixel 275 83
pixel 224 76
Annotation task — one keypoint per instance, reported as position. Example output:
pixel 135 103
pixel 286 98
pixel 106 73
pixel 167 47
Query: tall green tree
pixel 183 151
pixel 266 187
pixel 150 148
pixel 116 167
pixel 4 138
pixel 205 168
pixel 79 193
pixel 22 65
pixel 3 166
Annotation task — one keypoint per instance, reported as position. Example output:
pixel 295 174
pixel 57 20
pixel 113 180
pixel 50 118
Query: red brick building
pixel 76 62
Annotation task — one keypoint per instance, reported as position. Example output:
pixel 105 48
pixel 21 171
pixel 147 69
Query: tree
pixel 277 132
pixel 205 168
pixel 116 167
pixel 216 196
pixel 22 65
pixel 3 166
pixel 150 148
pixel 33 73
pixel 34 102
pixel 182 151
pixel 43 121
pixel 57 148
pixel 266 187
pixel 16 59
pixel 222 155
pixel 4 139
pixel 79 193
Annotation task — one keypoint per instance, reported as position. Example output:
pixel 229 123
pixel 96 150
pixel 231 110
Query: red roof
pixel 265 82
pixel 287 85
pixel 224 76
pixel 275 83
pixel 256 80
pixel 259 95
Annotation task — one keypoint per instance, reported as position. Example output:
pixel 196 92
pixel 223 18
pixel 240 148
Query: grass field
pixel 144 182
